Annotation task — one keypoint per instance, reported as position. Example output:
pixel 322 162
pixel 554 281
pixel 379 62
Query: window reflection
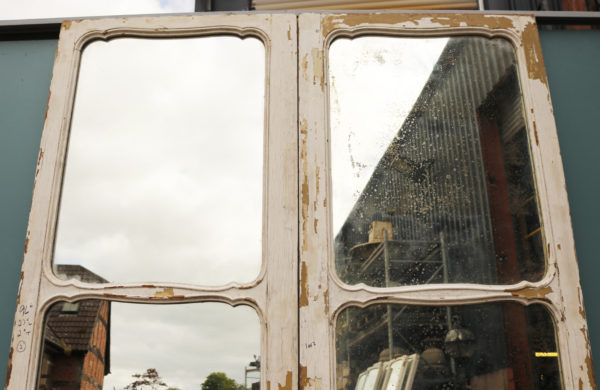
pixel 480 347
pixel 431 172
pixel 98 344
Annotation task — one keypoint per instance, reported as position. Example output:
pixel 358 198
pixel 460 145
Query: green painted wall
pixel 25 72
pixel 573 65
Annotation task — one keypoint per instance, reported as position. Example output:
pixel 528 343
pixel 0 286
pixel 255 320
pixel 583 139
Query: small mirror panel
pixel 163 178
pixel 489 346
pixel 98 344
pixel 431 171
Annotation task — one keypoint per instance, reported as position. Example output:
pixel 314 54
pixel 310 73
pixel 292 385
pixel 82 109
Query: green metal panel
pixel 25 72
pixel 573 65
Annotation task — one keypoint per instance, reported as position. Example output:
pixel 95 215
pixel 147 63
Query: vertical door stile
pixel 280 340
pixel 315 328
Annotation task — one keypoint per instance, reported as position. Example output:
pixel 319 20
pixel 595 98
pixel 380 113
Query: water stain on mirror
pixel 432 179
pixel 163 177
pixel 98 344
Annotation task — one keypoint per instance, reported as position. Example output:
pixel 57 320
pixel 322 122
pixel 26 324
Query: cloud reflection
pixel 185 343
pixel 164 171
pixel 375 82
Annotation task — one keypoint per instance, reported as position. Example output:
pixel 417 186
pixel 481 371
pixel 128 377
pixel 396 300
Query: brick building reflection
pixel 76 351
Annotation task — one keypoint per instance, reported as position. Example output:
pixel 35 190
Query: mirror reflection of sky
pixel 184 343
pixel 374 82
pixel 163 180
pixel 163 183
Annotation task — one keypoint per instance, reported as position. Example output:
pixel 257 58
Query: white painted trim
pixel 297 219
pixel 326 295
pixel 276 285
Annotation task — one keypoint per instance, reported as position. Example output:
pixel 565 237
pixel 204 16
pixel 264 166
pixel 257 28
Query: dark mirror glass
pixel 491 346
pixel 431 171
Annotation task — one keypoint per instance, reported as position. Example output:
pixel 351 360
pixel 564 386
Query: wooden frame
pixel 275 286
pixel 323 295
pixel 298 346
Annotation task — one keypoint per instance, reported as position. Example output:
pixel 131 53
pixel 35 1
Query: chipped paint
pixel 535 133
pixel 326 301
pixel 288 382
pixel 588 358
pixel 303 375
pixel 531 293
pixel 66 24
pixel 289 33
pixel 581 310
pixel 303 285
pixel 318 178
pixel 316 223
pixel 305 381
pixel 47 105
pixel 325 202
pixel 20 288
pixel 333 22
pixel 533 53
pixel 558 246
pixel 164 293
pixel 40 156
pixel 318 67
pixel 26 245
pixel 304 66
pixel 9 369
pixel 305 197
pixel 110 295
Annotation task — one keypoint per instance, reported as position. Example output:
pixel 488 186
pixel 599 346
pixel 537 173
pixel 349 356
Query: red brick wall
pixel 92 375
pixel 66 372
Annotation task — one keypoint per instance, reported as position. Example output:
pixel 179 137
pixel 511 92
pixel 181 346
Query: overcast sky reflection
pixel 184 343
pixel 163 180
pixel 375 82
pixel 163 183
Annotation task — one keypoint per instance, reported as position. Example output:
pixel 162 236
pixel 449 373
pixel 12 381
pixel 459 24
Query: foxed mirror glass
pixel 164 169
pixel 98 344
pixel 488 346
pixel 432 179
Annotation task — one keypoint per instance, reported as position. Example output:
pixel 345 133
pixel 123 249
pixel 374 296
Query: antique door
pixel 379 197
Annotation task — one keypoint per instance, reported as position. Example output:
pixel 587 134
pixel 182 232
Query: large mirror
pixel 488 346
pixel 98 344
pixel 431 171
pixel 163 177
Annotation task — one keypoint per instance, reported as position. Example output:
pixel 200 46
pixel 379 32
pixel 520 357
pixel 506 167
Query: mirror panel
pixel 99 344
pixel 479 347
pixel 164 170
pixel 432 179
